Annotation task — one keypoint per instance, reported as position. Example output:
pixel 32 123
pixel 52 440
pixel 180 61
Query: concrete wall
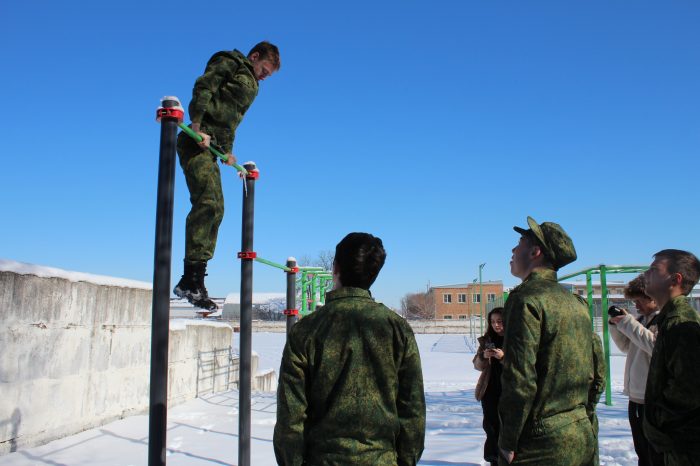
pixel 76 354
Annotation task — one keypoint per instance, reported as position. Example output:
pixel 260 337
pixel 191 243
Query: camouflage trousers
pixel 570 445
pixel 204 183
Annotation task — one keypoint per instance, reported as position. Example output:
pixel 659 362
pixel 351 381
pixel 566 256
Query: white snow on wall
pixel 41 271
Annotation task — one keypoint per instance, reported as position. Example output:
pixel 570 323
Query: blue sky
pixel 434 125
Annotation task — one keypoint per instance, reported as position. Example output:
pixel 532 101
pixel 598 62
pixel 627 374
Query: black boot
pixel 191 286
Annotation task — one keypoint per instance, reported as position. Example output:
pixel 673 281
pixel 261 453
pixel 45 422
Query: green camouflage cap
pixel 556 244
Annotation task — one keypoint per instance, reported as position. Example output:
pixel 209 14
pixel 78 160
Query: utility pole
pixel 481 298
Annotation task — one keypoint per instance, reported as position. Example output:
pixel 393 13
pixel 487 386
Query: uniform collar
pixel 347 292
pixel 542 274
pixel 671 308
pixel 674 303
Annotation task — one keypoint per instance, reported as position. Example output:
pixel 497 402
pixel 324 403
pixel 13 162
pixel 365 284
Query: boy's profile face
pixel 657 280
pixel 262 67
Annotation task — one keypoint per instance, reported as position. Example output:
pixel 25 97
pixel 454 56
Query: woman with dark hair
pixel 489 360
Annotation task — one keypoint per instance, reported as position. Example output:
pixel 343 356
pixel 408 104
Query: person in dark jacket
pixel 350 385
pixel 220 98
pixel 489 359
pixel 672 396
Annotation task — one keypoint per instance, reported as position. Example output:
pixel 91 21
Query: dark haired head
pixel 267 51
pixel 358 259
pixel 489 330
pixel 683 262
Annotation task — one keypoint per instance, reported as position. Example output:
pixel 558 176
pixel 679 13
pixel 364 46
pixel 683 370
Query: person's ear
pixel 676 279
pixel 254 57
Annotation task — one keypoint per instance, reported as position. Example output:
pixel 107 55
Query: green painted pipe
pixel 198 138
pixel 272 264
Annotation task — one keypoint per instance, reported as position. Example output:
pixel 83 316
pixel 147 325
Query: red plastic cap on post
pixel 293 270
pixel 170 109
pixel 170 113
pixel 253 175
pixel 247 255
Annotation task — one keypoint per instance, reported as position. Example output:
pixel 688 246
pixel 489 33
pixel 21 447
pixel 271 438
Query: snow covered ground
pixel 204 431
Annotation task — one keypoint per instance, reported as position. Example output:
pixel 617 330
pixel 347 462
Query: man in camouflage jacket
pixel 550 378
pixel 220 98
pixel 672 396
pixel 351 387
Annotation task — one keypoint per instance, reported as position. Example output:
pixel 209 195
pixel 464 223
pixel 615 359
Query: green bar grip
pixel 272 264
pixel 198 138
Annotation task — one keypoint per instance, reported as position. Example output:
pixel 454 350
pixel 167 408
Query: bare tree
pixel 271 310
pixel 418 306
pixel 323 259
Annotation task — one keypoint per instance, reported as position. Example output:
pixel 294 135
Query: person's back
pixel 351 386
pixel 355 349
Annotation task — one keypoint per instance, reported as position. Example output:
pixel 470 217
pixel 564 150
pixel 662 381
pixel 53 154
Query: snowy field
pixel 204 431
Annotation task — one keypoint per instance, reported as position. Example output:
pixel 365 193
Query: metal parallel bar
pixel 272 264
pixel 187 130
pixel 245 379
pixel 158 402
pixel 606 339
pixel 291 292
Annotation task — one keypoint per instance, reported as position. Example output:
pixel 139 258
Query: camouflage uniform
pixel 351 387
pixel 220 98
pixel 549 378
pixel 672 398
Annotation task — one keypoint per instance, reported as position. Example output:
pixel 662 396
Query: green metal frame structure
pixel 603 271
pixel 314 283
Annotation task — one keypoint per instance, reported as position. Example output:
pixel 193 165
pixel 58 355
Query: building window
pixel 462 298
pixel 447 298
pixel 447 317
pixel 462 317
pixel 580 292
pixel 491 297
pixel 476 298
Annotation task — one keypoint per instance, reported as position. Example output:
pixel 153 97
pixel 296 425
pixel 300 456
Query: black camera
pixel 614 311
pixel 490 345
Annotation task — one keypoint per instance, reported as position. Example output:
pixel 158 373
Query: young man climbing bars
pixel 220 98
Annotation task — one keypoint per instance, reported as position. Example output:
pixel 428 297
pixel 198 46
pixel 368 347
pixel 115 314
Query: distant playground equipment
pixel 603 271
pixel 314 282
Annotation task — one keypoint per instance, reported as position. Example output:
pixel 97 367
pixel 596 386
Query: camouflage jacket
pixel 222 95
pixel 548 368
pixel 350 387
pixel 672 398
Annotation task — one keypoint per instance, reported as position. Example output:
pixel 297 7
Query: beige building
pixel 454 302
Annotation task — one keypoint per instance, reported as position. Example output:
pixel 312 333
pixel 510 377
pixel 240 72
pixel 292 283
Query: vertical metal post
pixel 291 293
pixel 589 297
pixel 606 338
pixel 303 294
pixel 169 115
pixel 314 292
pixel 481 300
pixel 247 255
